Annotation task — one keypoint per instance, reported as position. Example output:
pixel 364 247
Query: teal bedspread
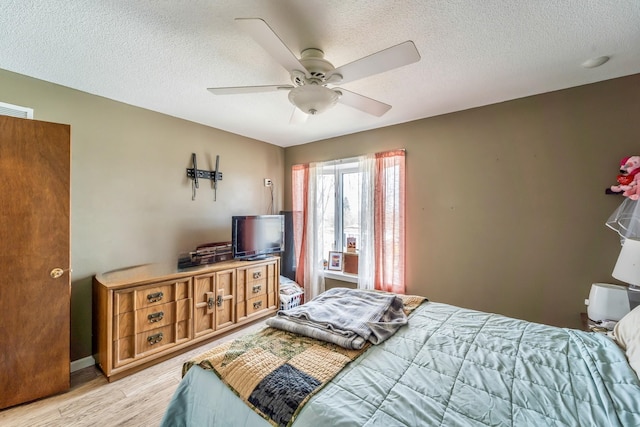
pixel 451 367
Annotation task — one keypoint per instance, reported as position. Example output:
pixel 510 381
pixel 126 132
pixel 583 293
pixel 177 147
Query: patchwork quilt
pixel 275 372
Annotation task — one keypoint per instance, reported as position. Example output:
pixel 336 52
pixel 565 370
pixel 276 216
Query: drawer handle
pixel 210 303
pixel 257 305
pixel 155 317
pixel 155 297
pixel 257 288
pixel 219 301
pixel 257 275
pixel 154 339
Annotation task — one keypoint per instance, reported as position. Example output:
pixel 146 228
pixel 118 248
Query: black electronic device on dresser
pixel 257 236
pixel 288 259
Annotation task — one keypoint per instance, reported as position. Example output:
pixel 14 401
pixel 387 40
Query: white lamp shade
pixel 313 99
pixel 627 267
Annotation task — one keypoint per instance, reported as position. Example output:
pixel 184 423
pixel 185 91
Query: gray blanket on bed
pixel 346 317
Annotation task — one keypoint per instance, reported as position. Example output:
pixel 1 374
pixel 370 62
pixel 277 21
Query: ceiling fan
pixel 313 77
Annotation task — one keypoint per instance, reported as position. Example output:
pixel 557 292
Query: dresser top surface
pixel 167 271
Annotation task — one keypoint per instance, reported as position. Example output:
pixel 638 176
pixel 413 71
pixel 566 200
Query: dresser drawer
pixel 256 304
pixel 256 274
pixel 155 317
pixel 155 339
pixel 154 296
pixel 127 349
pixel 128 323
pixel 256 288
pixel 149 296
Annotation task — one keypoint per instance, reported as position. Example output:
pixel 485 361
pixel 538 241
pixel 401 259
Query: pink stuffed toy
pixel 634 191
pixel 628 178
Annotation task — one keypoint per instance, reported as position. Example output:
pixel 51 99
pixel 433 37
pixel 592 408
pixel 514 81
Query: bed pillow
pixel 627 335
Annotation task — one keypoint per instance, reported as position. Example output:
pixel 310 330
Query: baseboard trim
pixel 85 362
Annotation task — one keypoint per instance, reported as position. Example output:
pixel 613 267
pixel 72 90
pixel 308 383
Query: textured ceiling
pixel 163 54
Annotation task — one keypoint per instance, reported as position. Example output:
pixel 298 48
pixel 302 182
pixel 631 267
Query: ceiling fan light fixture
pixel 313 99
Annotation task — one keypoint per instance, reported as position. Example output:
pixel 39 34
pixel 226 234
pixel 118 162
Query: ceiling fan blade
pixel 379 62
pixel 363 103
pixel 298 116
pixel 262 33
pixel 247 89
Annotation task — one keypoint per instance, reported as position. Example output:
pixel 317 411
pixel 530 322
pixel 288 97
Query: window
pixel 361 197
pixel 341 184
pixel 16 111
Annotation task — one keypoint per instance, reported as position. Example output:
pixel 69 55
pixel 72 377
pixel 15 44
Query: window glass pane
pixel 329 213
pixel 340 206
pixel 350 206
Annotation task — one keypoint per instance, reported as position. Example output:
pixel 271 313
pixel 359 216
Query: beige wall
pixel 506 203
pixel 131 200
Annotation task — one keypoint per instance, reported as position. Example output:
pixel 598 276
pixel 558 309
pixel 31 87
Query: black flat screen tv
pixel 257 236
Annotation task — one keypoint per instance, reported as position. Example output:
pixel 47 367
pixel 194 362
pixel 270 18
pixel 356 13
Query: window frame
pixel 339 168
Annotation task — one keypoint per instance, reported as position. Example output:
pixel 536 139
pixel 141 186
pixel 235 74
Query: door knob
pixel 58 272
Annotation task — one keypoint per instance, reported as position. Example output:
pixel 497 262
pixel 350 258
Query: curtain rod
pixel 351 159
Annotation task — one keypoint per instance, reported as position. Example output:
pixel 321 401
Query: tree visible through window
pixel 351 184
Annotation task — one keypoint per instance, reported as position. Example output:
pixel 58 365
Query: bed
pixel 448 366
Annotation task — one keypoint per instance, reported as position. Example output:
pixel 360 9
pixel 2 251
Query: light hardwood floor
pixel 138 400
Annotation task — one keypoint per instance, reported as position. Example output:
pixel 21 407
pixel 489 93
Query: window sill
pixel 339 275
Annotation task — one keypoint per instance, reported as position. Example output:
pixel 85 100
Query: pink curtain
pixel 389 222
pixel 299 189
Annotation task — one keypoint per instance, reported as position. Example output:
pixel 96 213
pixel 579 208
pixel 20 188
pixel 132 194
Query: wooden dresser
pixel 145 314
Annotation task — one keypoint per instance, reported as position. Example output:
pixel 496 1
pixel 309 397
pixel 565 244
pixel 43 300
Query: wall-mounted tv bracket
pixel 195 174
